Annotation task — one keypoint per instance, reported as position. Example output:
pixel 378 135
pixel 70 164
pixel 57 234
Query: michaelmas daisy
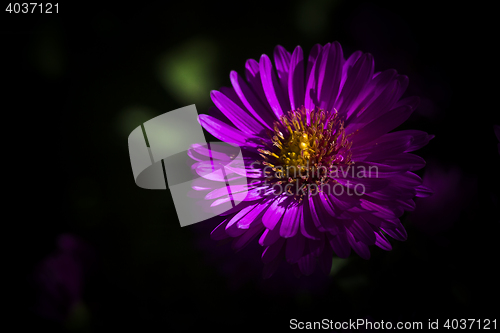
pixel 325 174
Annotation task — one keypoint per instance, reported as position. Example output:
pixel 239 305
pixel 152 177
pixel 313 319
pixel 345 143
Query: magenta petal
pixel 307 227
pixel 423 191
pixel 253 76
pixel 254 216
pixel 347 66
pixel 329 74
pixel 362 231
pixel 282 61
pixel 398 233
pixel 240 118
pixel 359 247
pixel 311 60
pixel 260 110
pixel 307 264
pixel 403 162
pixel 296 79
pixel 357 78
pixel 340 244
pixel 219 232
pixel 376 92
pixel 290 223
pixel 275 212
pixel 243 240
pixel 276 98
pixel 311 91
pixel 295 247
pixel 420 139
pixel 382 242
pixel 232 226
pixel 272 251
pixel 381 125
pixel 270 236
pixel 315 247
pixel 224 132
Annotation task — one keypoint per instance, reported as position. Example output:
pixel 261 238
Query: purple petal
pixel 290 223
pixel 252 74
pixel 381 125
pixel 412 101
pixel 224 132
pixel 382 242
pixel 296 79
pixel 243 240
pixel 275 212
pixel 357 78
pixel 398 233
pixel 295 247
pixel 329 74
pixel 270 236
pixel 277 99
pixel 420 139
pixel 404 161
pixel 232 228
pixel 219 232
pixel 423 191
pixel 272 251
pixel 340 244
pixel 385 146
pixel 381 84
pixel 282 61
pixel 311 92
pixel 311 60
pixel 240 118
pixel 315 247
pixel 260 110
pixel 254 215
pixel 307 227
pixel 307 264
pixel 359 247
pixel 362 231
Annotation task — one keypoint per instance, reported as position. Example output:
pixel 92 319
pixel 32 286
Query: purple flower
pixel 327 175
pixel 60 278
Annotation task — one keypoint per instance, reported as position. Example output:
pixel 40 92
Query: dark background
pixel 78 82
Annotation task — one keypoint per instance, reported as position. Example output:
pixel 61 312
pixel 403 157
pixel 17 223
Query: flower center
pixel 306 145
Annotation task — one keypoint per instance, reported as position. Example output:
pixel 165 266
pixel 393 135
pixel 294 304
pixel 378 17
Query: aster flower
pixel 309 134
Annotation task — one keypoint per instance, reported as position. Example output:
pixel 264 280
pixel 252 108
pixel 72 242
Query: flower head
pixel 326 174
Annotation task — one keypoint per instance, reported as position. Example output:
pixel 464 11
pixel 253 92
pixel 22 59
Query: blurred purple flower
pixel 452 190
pixel 60 277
